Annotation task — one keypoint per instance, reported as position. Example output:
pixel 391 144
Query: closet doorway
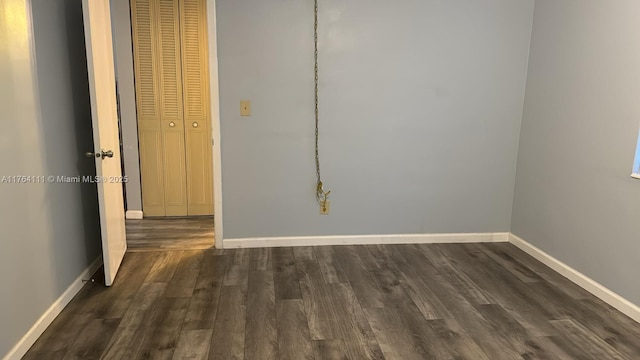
pixel 172 100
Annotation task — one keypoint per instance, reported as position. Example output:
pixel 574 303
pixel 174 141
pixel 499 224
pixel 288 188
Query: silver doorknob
pixel 102 154
pixel 107 153
pixel 172 124
pixel 195 124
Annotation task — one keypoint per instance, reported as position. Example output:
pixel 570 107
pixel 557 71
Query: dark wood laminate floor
pixel 170 233
pixel 472 301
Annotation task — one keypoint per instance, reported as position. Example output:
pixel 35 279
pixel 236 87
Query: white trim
pixel 625 306
pixel 134 215
pixel 52 312
pixel 215 122
pixel 365 239
pixel 635 176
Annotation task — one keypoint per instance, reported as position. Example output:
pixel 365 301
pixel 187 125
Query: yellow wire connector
pixel 321 195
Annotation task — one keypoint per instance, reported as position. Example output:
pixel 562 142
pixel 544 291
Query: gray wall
pixel 50 233
pixel 121 23
pixel 421 103
pixel 574 198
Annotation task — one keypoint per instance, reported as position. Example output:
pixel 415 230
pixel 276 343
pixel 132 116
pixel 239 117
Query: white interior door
pixel 102 88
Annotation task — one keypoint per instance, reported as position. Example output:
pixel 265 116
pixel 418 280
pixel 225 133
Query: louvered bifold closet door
pixel 148 106
pixel 157 60
pixel 171 111
pixel 196 107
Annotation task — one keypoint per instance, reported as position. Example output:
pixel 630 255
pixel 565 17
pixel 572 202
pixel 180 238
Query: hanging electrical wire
pixel 321 195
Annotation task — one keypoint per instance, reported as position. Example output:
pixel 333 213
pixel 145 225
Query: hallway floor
pixel 170 233
pixel 471 301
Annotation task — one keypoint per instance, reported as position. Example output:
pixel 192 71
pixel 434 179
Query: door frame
pixel 214 91
pixel 215 119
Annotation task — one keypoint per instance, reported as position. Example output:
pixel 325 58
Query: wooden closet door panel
pixel 146 67
pixel 175 175
pixel 151 168
pixel 171 109
pixel 170 91
pixel 197 106
pixel 199 178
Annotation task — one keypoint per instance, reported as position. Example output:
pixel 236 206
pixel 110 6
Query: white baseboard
pixel 623 305
pixel 364 240
pixel 54 310
pixel 134 214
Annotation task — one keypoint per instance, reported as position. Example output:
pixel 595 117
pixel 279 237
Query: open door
pixel 102 89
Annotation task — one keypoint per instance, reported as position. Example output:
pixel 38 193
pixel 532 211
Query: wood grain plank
pixel 514 295
pixel 413 274
pixel 203 308
pixel 135 268
pixel 285 274
pixel 579 337
pixel 400 309
pixel 237 272
pixel 32 355
pixel 599 322
pixel 395 340
pixel 514 334
pixel 212 270
pixel 62 333
pixel 382 254
pixel 260 259
pixel 542 270
pixel 93 339
pixel 565 352
pixel 333 349
pixel 303 253
pixel 459 344
pixel 447 268
pixel 204 301
pixel 228 337
pixel 294 342
pixel 165 267
pixel 367 259
pixel 193 345
pixel 361 280
pixel 214 252
pixel 509 263
pixel 473 323
pixel 319 309
pixel 129 336
pixel 185 277
pixel 163 329
pixel 170 233
pixel 616 321
pixel 261 333
pixel 331 270
pixel 353 326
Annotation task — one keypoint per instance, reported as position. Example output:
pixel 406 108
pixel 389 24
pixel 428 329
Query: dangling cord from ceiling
pixel 321 195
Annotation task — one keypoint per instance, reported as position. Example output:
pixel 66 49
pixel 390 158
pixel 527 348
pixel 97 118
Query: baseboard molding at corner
pixel 52 312
pixel 364 240
pixel 134 215
pixel 623 305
